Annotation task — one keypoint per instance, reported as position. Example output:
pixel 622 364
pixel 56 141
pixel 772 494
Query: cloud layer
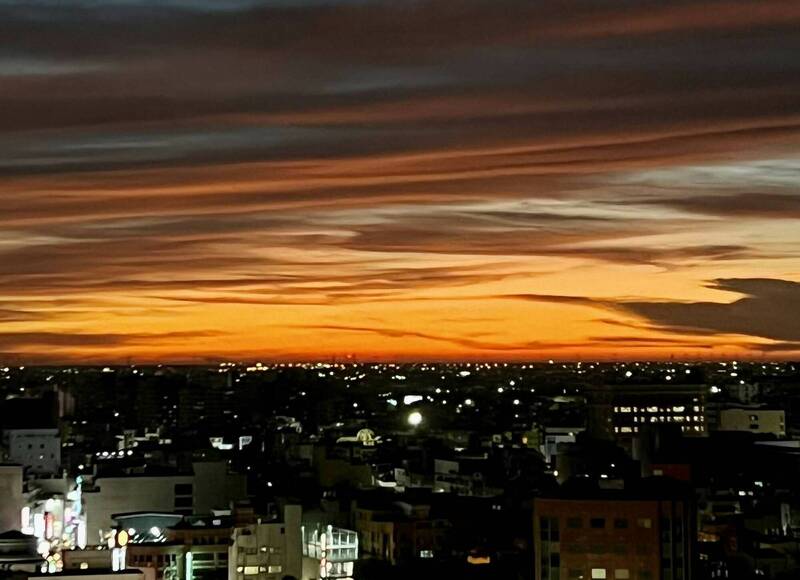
pixel 317 178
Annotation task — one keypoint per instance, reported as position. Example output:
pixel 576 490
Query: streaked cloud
pixel 309 178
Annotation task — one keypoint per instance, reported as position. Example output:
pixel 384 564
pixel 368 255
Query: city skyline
pixel 303 180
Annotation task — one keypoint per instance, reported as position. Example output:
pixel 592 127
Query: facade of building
pixel 38 450
pixel 267 551
pixel 18 554
pixel 328 552
pixel 753 420
pixel 210 486
pixel 12 497
pixel 614 535
pixel 94 574
pixel 462 476
pixel 619 412
pixel 400 533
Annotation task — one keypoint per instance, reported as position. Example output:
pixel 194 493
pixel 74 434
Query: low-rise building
pixel 400 532
pixel 642 534
pixel 209 486
pixel 267 550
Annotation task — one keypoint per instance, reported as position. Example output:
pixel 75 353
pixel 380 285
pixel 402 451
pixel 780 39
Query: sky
pixel 195 180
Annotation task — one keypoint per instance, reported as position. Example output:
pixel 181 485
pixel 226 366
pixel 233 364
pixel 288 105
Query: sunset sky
pixel 192 180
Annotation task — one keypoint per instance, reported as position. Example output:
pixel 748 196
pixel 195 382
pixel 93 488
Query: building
pixel 93 574
pixel 38 450
pixel 267 551
pixel 642 534
pixel 12 496
pixel 620 411
pixel 209 486
pixel 463 476
pixel 753 420
pixel 18 553
pixel 328 552
pixel 400 532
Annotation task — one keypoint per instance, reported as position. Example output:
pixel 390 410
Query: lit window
pixel 275 569
pixel 250 570
pixel 598 574
pixel 622 574
pixel 644 523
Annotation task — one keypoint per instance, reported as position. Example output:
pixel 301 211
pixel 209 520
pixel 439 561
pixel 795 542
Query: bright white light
pixel 411 399
pixel 414 418
pixel 154 531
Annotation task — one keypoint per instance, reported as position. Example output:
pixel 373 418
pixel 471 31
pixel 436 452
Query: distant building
pixel 400 532
pixel 463 476
pixel 620 411
pixel 38 450
pixel 753 420
pixel 645 534
pixel 267 551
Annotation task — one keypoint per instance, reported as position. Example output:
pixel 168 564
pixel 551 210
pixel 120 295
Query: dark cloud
pixel 750 205
pixel 769 309
pixel 25 340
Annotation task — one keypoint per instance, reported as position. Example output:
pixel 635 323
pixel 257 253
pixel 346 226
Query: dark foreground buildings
pixel 264 472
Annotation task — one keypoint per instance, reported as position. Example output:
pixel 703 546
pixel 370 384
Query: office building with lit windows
pixel 620 411
pixel 601 534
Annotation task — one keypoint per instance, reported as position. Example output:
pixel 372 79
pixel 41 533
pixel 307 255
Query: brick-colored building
pixel 643 534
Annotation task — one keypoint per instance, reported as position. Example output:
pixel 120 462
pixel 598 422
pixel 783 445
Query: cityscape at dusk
pixel 391 289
